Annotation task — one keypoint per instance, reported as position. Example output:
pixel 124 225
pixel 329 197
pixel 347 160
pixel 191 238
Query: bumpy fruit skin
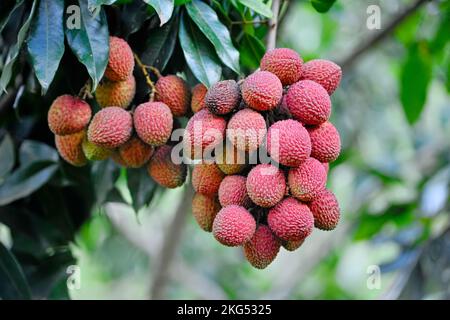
pixel 233 226
pixel 204 131
pixel 68 114
pixel 246 130
pixel 69 147
pixel 262 248
pixel 308 102
pixel 164 171
pixel 266 185
pixel 288 142
pixel 119 94
pixel 110 127
pixel 307 180
pixel 291 220
pixel 94 152
pixel 198 97
pixel 205 210
pixel 325 142
pixel 153 122
pixel 326 165
pixel 233 190
pixel 223 97
pixel 175 93
pixel 326 211
pixel 285 63
pixel 206 179
pixel 326 73
pixel 230 160
pixel 135 153
pixel 292 245
pixel 262 91
pixel 121 61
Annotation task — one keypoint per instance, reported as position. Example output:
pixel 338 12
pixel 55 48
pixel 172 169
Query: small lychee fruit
pixel 175 93
pixel 121 61
pixel 325 209
pixel 162 169
pixel 198 97
pixel 233 226
pixel 115 156
pixel 292 245
pixel 325 142
pixel 94 152
pixel 262 90
pixel 230 160
pixel 262 248
pixel 135 153
pixel 223 97
pixel 285 63
pixel 246 130
pixel 69 147
pixel 205 209
pixel 116 93
pixel 266 185
pixel 206 179
pixel 153 122
pixel 68 114
pixel 233 190
pixel 307 180
pixel 326 73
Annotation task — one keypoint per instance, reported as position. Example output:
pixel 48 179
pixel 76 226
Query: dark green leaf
pixel 199 54
pixel 9 14
pixel 104 175
pixel 13 284
pixel 7 156
pixel 447 82
pixel 258 6
pixel 251 51
pixel 414 80
pixel 206 19
pixel 322 6
pixel 164 9
pixel 133 16
pixel 90 42
pixel 46 41
pixel 141 187
pixel 34 151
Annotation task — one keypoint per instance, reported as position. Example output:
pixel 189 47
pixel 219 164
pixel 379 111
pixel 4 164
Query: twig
pixel 273 25
pixel 264 21
pixel 149 81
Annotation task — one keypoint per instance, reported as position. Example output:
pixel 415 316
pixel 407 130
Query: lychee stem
pixel 149 81
pixel 85 90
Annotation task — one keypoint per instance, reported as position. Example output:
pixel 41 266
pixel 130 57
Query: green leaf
pixel 258 6
pixel 13 284
pixel 90 42
pixel 95 5
pixel 34 151
pixel 164 9
pixel 251 51
pixel 46 41
pixel 414 80
pixel 141 187
pixel 199 54
pixel 15 50
pixel 7 157
pixel 104 175
pixel 322 6
pixel 8 15
pixel 206 19
pixel 133 16
pixel 447 82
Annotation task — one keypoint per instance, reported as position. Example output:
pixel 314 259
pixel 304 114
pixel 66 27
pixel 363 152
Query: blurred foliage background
pixel 392 180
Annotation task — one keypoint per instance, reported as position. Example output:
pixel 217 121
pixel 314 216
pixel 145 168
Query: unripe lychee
pixel 285 63
pixel 174 92
pixel 292 245
pixel 308 102
pixel 68 114
pixel 288 142
pixel 198 97
pixel 162 169
pixel 230 160
pixel 110 127
pixel 205 209
pixel 325 142
pixel 121 61
pixel 135 153
pixel 206 179
pixel 204 131
pixel 262 90
pixel 233 190
pixel 325 209
pixel 153 122
pixel 266 185
pixel 326 73
pixel 233 226
pixel 307 180
pixel 291 220
pixel 262 248
pixel 223 97
pixel 246 130
pixel 116 93
pixel 69 147
pixel 94 152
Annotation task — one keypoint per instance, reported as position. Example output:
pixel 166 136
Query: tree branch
pixel 273 26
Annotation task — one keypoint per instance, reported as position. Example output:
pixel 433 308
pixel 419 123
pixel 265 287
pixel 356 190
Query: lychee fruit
pixel 198 97
pixel 291 220
pixel 307 180
pixel 206 179
pixel 121 61
pixel 230 160
pixel 233 226
pixel 116 93
pixel 308 102
pixel 233 190
pixel 175 93
pixel 326 73
pixel 246 130
pixel 262 248
pixel 285 63
pixel 262 91
pixel 69 147
pixel 325 209
pixel 164 171
pixel 288 142
pixel 223 97
pixel 68 114
pixel 110 127
pixel 325 142
pixel 266 185
pixel 94 152
pixel 292 245
pixel 135 153
pixel 153 122
pixel 205 209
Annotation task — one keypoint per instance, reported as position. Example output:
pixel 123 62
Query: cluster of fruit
pixel 281 110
